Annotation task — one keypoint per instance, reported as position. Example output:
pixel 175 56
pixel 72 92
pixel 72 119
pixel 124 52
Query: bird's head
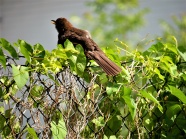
pixel 62 24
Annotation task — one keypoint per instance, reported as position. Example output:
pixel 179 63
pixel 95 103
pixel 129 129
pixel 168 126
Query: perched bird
pixel 91 49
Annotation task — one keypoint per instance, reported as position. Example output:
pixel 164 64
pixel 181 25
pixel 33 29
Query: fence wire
pixel 43 99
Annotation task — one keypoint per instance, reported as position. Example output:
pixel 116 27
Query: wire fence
pixel 44 98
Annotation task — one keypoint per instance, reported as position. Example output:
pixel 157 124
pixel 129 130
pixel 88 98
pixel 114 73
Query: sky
pixel 30 19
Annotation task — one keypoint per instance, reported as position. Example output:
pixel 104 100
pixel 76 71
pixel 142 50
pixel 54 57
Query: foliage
pixel 147 100
pixel 58 130
pixel 178 29
pixel 108 20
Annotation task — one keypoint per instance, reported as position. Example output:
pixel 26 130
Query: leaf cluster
pixel 148 96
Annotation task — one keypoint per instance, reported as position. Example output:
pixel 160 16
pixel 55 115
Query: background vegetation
pixel 111 20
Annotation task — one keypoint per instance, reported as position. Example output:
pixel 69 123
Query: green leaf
pixel 178 93
pixel 129 101
pixel 167 60
pixel 156 47
pixel 80 67
pixel 3 121
pixel 1 93
pixel 112 137
pixel 69 48
pixel 114 124
pixel 127 75
pixel 72 61
pixel 13 89
pixel 99 121
pixel 172 111
pixel 27 46
pixel 60 53
pixel 152 98
pixel 2 109
pixel 158 73
pixel 24 48
pixel 103 78
pixel 39 52
pixel 38 47
pixel 81 61
pixel 181 122
pixel 166 63
pixel 53 79
pixel 173 70
pixel 8 113
pixel 68 45
pixel 105 137
pixel 71 53
pixel 2 59
pixel 182 52
pixel 171 47
pixel 6 131
pixel 36 90
pixel 112 88
pixel 59 130
pixel 183 76
pixel 32 132
pixel 20 75
pixel 7 46
pixel 87 77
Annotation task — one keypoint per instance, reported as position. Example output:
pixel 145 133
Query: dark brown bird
pixel 91 49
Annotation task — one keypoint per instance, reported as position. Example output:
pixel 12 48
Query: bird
pixel 91 50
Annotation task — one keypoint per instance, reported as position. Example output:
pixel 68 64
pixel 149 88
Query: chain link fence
pixel 83 107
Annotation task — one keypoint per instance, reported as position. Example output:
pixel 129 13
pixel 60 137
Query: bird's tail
pixel 107 65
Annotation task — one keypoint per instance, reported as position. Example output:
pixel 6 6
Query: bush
pixel 60 94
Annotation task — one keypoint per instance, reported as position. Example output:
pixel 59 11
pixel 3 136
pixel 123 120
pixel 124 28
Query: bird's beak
pixel 53 22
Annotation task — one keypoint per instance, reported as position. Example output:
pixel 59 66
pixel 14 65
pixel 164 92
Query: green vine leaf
pixel 32 132
pixel 178 93
pixel 129 101
pixel 20 75
pixel 2 59
pixel 182 52
pixel 81 60
pixel 152 98
pixel 7 46
pixel 25 50
pixel 59 130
